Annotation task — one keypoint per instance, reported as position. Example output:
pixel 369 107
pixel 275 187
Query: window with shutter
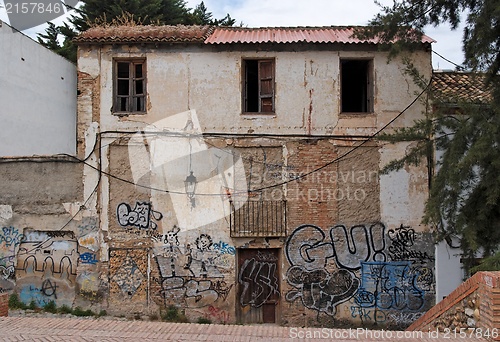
pixel 129 79
pixel 258 96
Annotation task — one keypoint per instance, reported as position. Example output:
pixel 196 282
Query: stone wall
pixel 473 307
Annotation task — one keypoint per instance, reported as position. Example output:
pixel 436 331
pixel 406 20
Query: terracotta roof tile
pixel 327 34
pixel 456 87
pixel 145 33
pixel 224 35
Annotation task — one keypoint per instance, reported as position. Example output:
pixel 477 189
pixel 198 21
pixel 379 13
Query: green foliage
pixel 172 314
pixel 102 313
pixel 79 312
pixel 32 305
pixel 464 198
pixel 65 310
pixel 203 320
pixel 481 31
pixel 114 12
pixel 491 263
pixel 50 307
pixel 15 303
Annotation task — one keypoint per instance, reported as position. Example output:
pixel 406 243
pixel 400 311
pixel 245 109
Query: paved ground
pixel 68 329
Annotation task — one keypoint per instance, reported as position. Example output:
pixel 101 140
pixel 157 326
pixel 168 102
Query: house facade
pixel 233 173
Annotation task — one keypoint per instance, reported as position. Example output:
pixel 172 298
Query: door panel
pixel 258 285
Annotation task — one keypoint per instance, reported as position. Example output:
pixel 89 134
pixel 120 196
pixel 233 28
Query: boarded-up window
pixel 356 86
pixel 258 86
pixel 129 86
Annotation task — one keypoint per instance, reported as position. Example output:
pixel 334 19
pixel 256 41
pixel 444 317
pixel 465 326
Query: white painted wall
pixel 37 98
pixel 449 273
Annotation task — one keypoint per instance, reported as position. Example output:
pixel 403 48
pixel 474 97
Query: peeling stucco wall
pixel 40 216
pixel 351 251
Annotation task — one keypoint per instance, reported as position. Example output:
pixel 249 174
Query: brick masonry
pixel 474 304
pixel 4 304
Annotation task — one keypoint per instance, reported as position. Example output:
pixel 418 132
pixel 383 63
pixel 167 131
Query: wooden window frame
pixel 133 95
pixel 259 99
pixel 369 92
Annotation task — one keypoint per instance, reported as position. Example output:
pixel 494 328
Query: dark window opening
pixel 259 86
pixel 130 87
pixel 356 86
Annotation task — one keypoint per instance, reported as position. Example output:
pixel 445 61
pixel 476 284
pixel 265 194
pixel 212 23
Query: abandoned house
pixel 234 174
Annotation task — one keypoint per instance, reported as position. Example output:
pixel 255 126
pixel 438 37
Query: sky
pixel 269 13
pixel 265 13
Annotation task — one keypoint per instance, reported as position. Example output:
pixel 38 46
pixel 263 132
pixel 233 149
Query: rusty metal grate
pixel 258 218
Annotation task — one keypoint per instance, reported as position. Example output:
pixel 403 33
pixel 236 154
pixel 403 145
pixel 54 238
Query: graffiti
pixel 171 236
pixel 323 265
pixel 202 260
pixel 403 239
pixel 217 314
pixel 404 317
pixel 191 293
pixel 60 234
pixel 224 248
pixel 128 277
pixel 265 256
pixel 360 244
pixel 389 285
pixel 222 289
pixel 88 258
pixel 184 270
pixel 319 289
pixel 366 315
pixel 7 272
pixel 11 236
pixel 142 216
pixel 309 250
pixel 86 226
pixel 90 241
pixel 49 288
pixel 89 285
pixel 259 282
pixel 46 267
pixel 308 246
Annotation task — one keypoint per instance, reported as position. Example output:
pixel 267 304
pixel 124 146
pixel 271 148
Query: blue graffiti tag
pixel 88 258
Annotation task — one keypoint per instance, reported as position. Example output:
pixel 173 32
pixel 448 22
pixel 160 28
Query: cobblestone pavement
pixel 68 329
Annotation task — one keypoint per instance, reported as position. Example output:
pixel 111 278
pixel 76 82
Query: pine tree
pixel 144 12
pixel 464 199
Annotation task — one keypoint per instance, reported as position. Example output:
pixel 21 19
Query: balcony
pixel 258 219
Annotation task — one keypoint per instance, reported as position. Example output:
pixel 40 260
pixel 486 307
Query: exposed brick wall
pixel 474 304
pixel 4 304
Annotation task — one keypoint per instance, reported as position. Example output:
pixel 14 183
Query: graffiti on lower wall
pixel 377 273
pixel 191 275
pixel 259 280
pixel 46 267
pixel 10 239
pixel 128 274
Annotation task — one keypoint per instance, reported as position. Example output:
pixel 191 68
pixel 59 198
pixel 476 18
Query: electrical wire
pixel 235 192
pixel 459 67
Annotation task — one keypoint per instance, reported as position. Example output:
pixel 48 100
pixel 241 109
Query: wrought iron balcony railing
pixel 258 219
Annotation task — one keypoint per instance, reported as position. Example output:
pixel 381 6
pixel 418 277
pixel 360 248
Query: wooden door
pixel 258 285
